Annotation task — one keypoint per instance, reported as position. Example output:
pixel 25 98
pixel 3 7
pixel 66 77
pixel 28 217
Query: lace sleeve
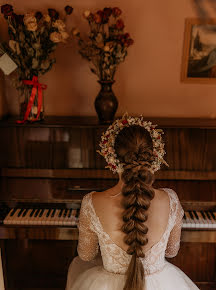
pixel 88 240
pixel 173 244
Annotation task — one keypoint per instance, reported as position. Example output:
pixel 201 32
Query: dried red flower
pixel 124 122
pixel 107 11
pixel 7 10
pixel 119 24
pixel 38 15
pixel 128 42
pixel 53 14
pixel 97 18
pixel 68 9
pixel 116 12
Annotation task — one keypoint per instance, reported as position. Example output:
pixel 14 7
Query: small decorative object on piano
pixel 33 39
pixel 106 47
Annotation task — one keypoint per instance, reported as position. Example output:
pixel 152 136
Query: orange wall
pixel 148 82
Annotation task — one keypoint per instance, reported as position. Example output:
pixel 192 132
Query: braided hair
pixel 134 149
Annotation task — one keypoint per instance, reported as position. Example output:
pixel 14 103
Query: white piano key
pixel 15 218
pixel 8 218
pixel 24 219
pixel 190 222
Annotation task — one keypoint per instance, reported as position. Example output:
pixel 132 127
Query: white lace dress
pixel 108 273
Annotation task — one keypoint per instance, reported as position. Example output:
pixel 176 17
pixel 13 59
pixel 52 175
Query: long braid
pixel 137 194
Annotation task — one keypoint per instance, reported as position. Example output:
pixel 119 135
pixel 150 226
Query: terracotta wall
pixel 149 80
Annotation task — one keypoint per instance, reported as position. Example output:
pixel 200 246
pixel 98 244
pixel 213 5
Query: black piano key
pixel 13 211
pixel 37 212
pixel 203 215
pixel 213 215
pixel 53 213
pixel 70 212
pixel 48 213
pixel 41 213
pixel 196 215
pixel 77 213
pixel 191 215
pixel 20 212
pixel 65 212
pixel 208 215
pixel 24 213
pixel 32 212
pixel 184 217
pixel 60 213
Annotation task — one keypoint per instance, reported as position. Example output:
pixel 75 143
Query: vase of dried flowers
pixel 105 48
pixel 106 102
pixel 33 39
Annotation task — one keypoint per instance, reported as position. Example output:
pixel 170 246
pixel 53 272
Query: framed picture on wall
pixel 199 51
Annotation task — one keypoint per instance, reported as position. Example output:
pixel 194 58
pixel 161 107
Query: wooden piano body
pixel 56 162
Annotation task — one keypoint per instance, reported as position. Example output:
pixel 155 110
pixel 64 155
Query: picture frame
pixel 199 51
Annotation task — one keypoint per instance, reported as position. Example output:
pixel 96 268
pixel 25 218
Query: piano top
pixel 92 121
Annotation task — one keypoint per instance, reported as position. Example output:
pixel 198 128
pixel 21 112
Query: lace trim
pixel 115 259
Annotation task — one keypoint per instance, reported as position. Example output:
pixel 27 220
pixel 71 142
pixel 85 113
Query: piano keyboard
pixel 199 220
pixel 69 217
pixel 37 216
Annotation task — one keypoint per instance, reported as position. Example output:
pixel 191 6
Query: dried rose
pixel 107 11
pixel 30 22
pixel 59 24
pixel 53 14
pixel 68 9
pixel 38 15
pixel 128 42
pixel 32 26
pixel 47 18
pixel 104 16
pixel 64 35
pixel 119 24
pixel 97 18
pixel 86 13
pixel 28 18
pixel 7 10
pixel 116 12
pixel 55 37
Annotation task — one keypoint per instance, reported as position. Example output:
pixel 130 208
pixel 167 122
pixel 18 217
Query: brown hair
pixel 134 148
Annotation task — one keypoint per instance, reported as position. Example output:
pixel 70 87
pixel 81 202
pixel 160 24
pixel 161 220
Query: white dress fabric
pixel 89 272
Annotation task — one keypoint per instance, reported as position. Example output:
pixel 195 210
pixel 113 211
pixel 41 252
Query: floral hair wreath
pixel 108 141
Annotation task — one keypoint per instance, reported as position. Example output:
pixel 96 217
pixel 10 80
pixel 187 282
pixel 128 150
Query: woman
pixel 134 225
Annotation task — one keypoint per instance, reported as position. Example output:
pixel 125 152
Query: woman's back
pixel 108 207
pixel 135 225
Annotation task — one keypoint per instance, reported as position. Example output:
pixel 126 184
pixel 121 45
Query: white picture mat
pixel 7 64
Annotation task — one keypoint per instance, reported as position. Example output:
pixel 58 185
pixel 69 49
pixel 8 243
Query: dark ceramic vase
pixel 106 103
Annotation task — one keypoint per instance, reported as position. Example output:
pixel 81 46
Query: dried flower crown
pixel 108 141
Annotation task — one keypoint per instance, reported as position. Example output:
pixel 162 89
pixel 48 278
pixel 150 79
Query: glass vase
pixel 106 103
pixel 24 100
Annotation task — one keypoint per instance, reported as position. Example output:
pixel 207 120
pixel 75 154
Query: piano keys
pixel 42 216
pixel 199 220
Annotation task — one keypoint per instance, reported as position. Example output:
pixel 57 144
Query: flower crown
pixel 108 141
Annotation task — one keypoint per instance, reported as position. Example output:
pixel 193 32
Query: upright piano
pixel 46 169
